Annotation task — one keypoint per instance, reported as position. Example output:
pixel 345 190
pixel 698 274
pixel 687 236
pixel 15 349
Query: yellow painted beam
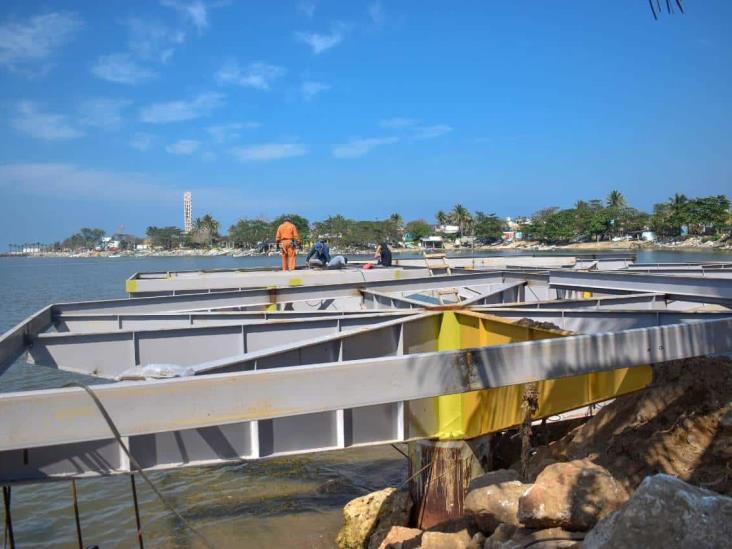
pixel 476 413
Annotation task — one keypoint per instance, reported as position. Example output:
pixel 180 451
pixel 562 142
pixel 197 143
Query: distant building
pixel 432 242
pixel 447 229
pixel 187 213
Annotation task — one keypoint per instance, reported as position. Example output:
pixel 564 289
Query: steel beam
pixel 712 289
pixel 598 321
pixel 264 297
pixel 71 322
pixel 186 282
pixel 13 342
pixel 109 354
pixel 64 416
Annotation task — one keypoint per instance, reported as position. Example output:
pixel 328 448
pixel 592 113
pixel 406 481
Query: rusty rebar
pixel 76 514
pixel 140 541
pixel 8 517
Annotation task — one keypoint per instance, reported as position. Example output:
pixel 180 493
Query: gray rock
pixel 666 512
pixel 494 504
pixel 573 495
pixel 549 538
pixel 368 519
pixel 493 477
pixel 443 540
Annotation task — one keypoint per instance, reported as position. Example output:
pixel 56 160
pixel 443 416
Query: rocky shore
pixel 692 243
pixel 650 469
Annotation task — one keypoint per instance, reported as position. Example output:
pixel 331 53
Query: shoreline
pixel 690 244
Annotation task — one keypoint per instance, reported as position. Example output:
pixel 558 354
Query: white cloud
pixel 35 39
pixel 103 112
pixel 430 132
pixel 121 68
pixel 310 89
pixel 100 186
pixel 228 132
pixel 359 147
pixel 376 12
pixel 418 131
pixel 184 147
pixel 142 141
pixel 69 181
pixel 257 75
pixel 51 127
pixel 398 123
pixel 307 8
pixel 153 41
pixel 268 151
pixel 177 111
pixel 195 12
pixel 321 42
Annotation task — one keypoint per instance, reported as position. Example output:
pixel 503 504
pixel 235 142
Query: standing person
pixel 287 238
pixel 320 254
pixel 383 254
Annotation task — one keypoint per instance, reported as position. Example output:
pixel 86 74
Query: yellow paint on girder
pixel 295 282
pixel 586 295
pixel 130 286
pixel 472 414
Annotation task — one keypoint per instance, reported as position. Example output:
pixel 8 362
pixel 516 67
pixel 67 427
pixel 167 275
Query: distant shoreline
pixel 691 244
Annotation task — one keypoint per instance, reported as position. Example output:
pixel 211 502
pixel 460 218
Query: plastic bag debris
pixel 156 371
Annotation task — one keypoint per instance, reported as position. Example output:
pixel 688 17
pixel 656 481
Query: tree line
pixel 591 220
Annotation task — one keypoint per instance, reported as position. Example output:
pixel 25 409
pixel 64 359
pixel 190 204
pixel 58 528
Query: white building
pixel 187 213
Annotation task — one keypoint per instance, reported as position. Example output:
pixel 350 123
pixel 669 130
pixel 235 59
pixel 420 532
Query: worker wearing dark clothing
pixel 383 254
pixel 319 255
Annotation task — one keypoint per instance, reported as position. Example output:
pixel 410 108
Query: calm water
pixel 294 502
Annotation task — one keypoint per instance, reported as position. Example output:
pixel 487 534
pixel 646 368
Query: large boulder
pixel 572 495
pixel 443 540
pixel 550 538
pixel 368 519
pixel 500 535
pixel 401 537
pixel 493 477
pixel 492 505
pixel 666 512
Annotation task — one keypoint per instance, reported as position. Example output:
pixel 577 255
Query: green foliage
pixel 250 232
pixel 205 231
pixel 165 237
pixel 461 217
pixel 418 228
pixel 86 239
pixel 350 232
pixel 487 225
pixel 708 214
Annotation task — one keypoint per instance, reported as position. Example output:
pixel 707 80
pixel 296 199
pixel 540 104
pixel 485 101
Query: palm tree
pixel 442 218
pixel 581 205
pixel 615 199
pixel 207 226
pixel 678 205
pixel 461 216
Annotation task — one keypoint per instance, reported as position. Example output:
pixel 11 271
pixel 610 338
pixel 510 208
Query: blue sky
pixel 111 110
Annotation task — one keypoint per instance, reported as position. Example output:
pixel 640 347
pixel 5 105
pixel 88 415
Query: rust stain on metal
pixel 465 364
pixel 272 292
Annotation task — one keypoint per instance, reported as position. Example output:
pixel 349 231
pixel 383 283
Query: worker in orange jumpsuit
pixel 287 238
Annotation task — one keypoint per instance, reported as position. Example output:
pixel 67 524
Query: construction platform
pixel 256 366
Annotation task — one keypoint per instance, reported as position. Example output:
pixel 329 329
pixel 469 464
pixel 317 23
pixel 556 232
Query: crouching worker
pixel 319 255
pixel 286 239
pixel 338 262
